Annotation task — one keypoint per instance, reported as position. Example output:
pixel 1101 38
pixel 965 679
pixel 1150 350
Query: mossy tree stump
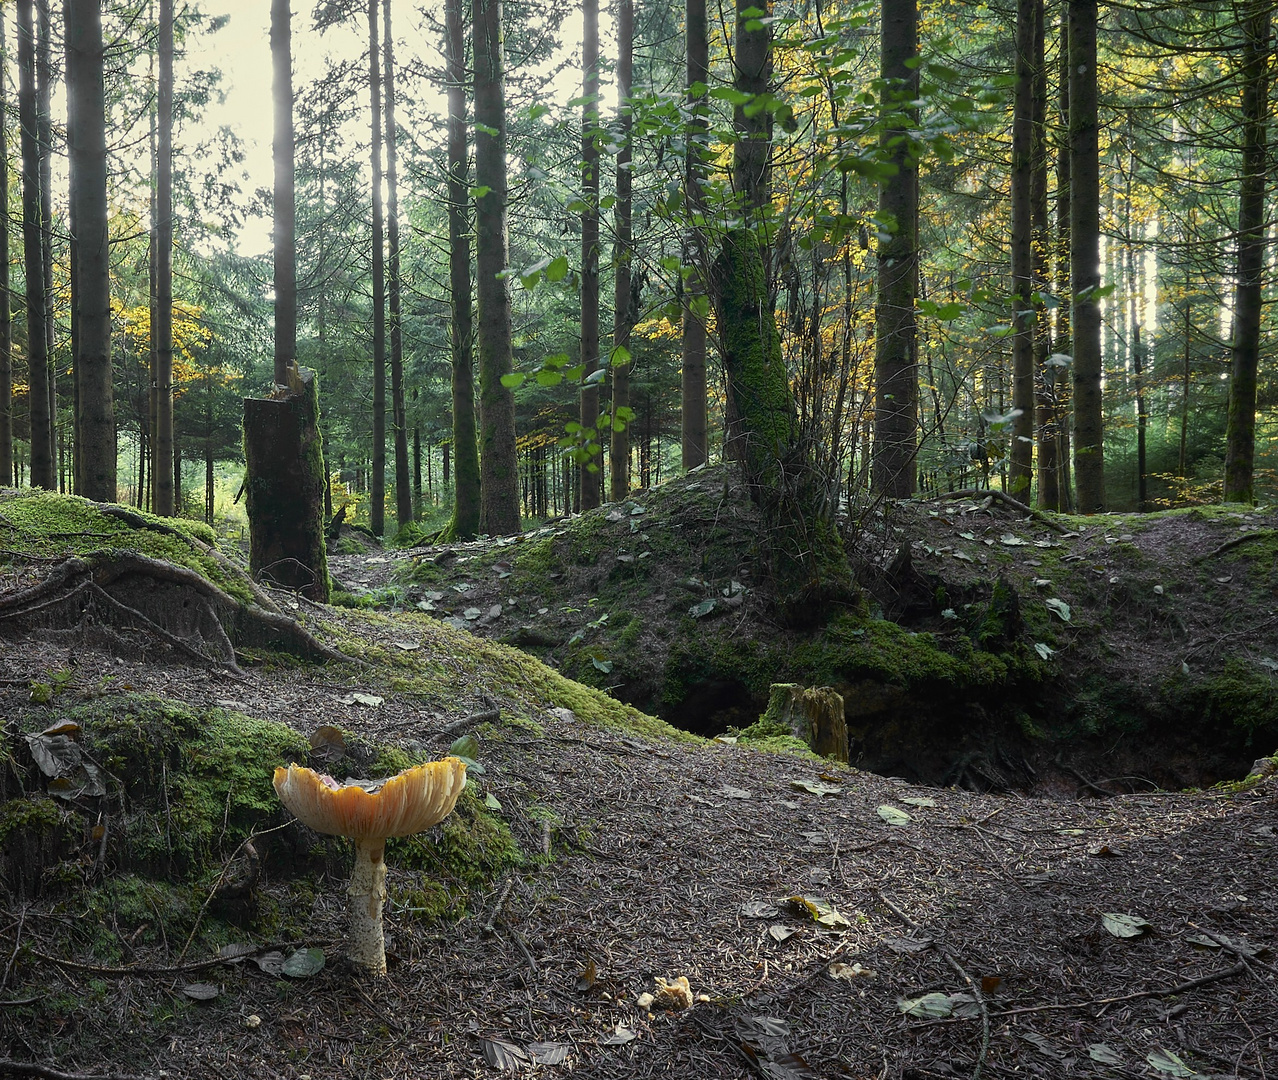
pixel 814 715
pixel 285 487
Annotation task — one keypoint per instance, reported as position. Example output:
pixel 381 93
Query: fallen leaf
pixel 928 1007
pixel 918 800
pixel 1059 608
pixel 549 1053
pixel 303 963
pixel 1125 926
pixel 504 1055
pixel 272 962
pixel 1168 1063
pixel 360 698
pixel 821 910
pixel 619 1037
pixel 734 792
pixel 701 610
pixel 815 787
pixel 202 991
pixel 1043 1045
pixel 907 946
pixel 894 816
pixel 850 972
pixel 759 909
pixel 1104 1053
pixel 781 933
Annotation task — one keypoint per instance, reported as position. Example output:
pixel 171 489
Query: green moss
pixel 49 525
pixel 34 813
pixel 1242 696
pixel 776 744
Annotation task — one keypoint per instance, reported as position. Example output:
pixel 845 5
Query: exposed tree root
pixel 172 605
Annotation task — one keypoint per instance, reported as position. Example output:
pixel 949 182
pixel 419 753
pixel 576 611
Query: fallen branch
pixel 1006 500
pixel 1237 541
pixel 174 969
pixel 1170 991
pixel 31 1068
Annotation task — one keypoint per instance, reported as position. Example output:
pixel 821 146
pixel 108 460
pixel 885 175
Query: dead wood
pixel 1237 541
pixel 32 1068
pixel 1006 500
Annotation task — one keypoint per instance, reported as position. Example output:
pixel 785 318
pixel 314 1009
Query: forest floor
pixel 830 922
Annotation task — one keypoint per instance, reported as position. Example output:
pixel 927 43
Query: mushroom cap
pixel 407 803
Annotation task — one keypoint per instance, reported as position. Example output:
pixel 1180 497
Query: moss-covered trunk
pixel 285 487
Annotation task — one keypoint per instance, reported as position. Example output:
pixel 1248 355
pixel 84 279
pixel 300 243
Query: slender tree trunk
pixel 1181 463
pixel 86 155
pixel 377 505
pixel 6 312
pixel 1240 435
pixel 590 250
pixel 895 359
pixel 403 485
pixel 283 227
pixel 1089 453
pixel 694 434
pixel 499 474
pixel 1044 245
pixel 466 496
pixel 624 310
pixel 1063 345
pixel 44 119
pixel 162 325
pixel 1021 458
pixel 33 256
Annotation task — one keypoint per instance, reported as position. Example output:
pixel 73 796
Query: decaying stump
pixel 813 715
pixel 285 487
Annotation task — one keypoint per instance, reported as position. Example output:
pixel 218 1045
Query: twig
pixel 162 972
pixel 949 958
pixel 1238 969
pixel 490 925
pixel 1228 545
pixel 17 944
pixel 31 1068
pixel 1007 500
pixel 488 716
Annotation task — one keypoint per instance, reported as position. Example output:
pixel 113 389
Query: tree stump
pixel 813 715
pixel 285 487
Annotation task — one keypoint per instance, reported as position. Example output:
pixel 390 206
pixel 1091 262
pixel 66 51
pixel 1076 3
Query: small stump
pixel 285 487
pixel 814 715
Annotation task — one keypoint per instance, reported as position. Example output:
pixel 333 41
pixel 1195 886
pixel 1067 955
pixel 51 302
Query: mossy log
pixel 285 487
pixel 814 715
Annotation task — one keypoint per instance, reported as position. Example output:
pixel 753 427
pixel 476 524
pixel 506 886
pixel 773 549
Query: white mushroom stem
pixel 366 947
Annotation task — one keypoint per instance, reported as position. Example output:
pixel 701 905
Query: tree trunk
pixel 694 423
pixel 806 560
pixel 1240 435
pixel 33 255
pixel 466 498
pixel 6 313
pixel 284 487
pixel 283 223
pixel 86 155
pixel 1043 239
pixel 895 350
pixel 1021 457
pixel 1089 454
pixel 624 311
pixel 44 122
pixel 377 501
pixel 162 326
pixel 590 251
pixel 499 475
pixel 403 485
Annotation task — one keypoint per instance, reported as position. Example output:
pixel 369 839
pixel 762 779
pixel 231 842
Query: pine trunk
pixel 1089 453
pixel 377 502
pixel 499 472
pixel 162 326
pixel 6 313
pixel 590 251
pixel 895 351
pixel 283 223
pixel 399 421
pixel 1240 436
pixel 466 501
pixel 1021 457
pixel 86 155
pixel 624 311
pixel 694 433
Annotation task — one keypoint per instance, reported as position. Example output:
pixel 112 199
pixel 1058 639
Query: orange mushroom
pixel 408 803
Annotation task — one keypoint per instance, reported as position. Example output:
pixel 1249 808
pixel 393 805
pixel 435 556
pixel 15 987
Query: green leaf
pixel 620 355
pixel 1124 926
pixel 536 112
pixel 304 963
pixel 479 191
pixel 699 306
pixel 557 270
pixel 1169 1063
pixel 730 95
pixel 927 1007
pixel 1059 608
pixel 514 380
pixel 1104 1053
pixel 549 378
pixel 894 815
pixel 701 610
pixel 1045 652
pixel 490 801
pixel 601 665
pixel 815 787
pixel 465 747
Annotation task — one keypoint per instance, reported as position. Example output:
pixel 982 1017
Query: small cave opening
pixel 711 707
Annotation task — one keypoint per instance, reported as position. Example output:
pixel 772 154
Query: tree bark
pixel 44 124
pixel 403 483
pixel 6 312
pixel 499 468
pixel 1240 435
pixel 1021 456
pixel 466 497
pixel 162 325
pixel 895 351
pixel 283 227
pixel 33 256
pixel 590 251
pixel 694 435
pixel 624 310
pixel 377 496
pixel 813 715
pixel 1089 453
pixel 86 155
